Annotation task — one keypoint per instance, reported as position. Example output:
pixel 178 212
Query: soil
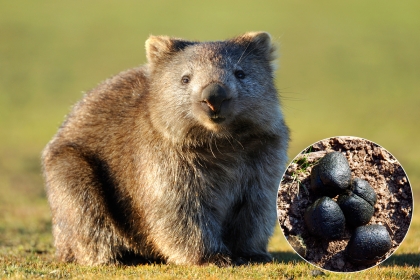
pixel 367 161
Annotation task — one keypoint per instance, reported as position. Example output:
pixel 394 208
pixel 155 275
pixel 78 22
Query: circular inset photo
pixel 345 204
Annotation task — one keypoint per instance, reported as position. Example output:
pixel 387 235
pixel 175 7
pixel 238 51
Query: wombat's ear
pixel 259 43
pixel 161 47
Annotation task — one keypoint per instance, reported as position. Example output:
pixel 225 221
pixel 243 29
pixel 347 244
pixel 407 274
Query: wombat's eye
pixel 240 74
pixel 185 79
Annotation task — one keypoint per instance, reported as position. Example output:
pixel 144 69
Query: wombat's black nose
pixel 213 96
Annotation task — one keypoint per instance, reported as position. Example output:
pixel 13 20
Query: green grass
pixel 346 68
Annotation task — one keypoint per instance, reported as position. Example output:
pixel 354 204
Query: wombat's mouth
pixel 217 119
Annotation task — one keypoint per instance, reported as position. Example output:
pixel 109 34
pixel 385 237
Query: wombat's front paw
pixel 219 259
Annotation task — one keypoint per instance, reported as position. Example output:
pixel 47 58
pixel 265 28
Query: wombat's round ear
pixel 161 47
pixel 259 42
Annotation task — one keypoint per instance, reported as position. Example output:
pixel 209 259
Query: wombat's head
pixel 222 88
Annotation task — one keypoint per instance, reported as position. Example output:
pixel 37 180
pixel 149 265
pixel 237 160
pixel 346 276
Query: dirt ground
pixel 367 161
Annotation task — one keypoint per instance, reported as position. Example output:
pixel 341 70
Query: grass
pixel 346 68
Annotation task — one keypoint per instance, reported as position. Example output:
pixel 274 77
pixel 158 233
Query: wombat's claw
pixel 221 260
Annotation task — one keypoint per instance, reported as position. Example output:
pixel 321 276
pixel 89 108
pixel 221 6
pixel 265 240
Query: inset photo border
pixel 392 211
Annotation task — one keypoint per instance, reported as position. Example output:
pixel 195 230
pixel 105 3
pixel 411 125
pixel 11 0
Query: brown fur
pixel 146 168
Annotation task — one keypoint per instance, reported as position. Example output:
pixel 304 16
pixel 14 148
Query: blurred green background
pixel 346 68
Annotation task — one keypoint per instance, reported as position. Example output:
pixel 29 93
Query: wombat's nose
pixel 213 96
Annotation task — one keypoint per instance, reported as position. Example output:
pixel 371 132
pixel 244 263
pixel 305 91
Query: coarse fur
pixel 176 161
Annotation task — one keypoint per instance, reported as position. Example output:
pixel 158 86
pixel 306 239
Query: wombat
pixel 176 161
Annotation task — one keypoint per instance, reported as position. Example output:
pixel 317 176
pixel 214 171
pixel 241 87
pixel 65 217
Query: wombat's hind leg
pixel 80 192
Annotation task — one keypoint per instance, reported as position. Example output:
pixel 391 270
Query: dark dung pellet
pixel 325 219
pixel 368 244
pixel 331 176
pixel 358 204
